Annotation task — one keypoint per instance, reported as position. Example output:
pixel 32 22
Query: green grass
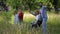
pixel 53 25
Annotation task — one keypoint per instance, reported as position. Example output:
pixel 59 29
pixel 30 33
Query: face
pixel 40 4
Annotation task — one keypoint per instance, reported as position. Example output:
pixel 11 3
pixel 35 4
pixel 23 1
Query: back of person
pixel 39 17
pixel 43 12
pixel 38 20
pixel 15 17
pixel 20 15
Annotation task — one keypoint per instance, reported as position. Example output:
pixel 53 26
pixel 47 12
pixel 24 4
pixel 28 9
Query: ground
pixel 53 25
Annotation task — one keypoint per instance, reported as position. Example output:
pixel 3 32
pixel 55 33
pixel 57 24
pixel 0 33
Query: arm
pixel 32 12
pixel 43 12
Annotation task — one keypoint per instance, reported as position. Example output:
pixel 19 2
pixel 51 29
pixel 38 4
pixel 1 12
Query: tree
pixel 25 4
pixel 3 4
pixel 55 4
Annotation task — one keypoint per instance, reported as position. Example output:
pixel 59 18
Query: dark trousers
pixel 38 24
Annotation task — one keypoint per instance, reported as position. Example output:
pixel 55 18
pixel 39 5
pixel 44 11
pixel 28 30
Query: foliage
pixel 25 4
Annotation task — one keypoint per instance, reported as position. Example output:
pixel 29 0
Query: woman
pixel 20 16
pixel 15 17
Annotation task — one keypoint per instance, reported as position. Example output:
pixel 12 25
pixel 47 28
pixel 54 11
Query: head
pixel 20 11
pixel 40 4
pixel 15 12
pixel 36 12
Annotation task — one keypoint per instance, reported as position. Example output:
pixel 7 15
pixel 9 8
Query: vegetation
pixel 7 25
pixel 25 4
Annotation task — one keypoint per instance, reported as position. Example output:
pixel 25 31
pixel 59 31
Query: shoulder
pixel 38 15
pixel 44 7
pixel 16 14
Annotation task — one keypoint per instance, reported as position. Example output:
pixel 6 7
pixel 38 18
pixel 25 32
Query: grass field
pixel 53 25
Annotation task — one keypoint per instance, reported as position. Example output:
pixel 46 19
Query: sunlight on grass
pixel 29 17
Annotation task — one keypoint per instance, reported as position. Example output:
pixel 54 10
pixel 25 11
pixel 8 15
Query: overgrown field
pixel 7 25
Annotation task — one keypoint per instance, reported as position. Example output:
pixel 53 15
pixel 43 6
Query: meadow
pixel 7 25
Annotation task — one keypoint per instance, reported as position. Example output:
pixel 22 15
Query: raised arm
pixel 32 13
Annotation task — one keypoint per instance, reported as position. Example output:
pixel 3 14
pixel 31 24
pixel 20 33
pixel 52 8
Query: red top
pixel 20 16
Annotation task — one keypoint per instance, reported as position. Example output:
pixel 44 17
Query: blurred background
pixel 7 8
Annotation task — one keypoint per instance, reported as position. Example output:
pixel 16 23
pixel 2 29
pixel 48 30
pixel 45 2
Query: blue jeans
pixel 44 25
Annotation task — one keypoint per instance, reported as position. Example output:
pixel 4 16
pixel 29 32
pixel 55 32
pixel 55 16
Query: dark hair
pixel 41 2
pixel 15 12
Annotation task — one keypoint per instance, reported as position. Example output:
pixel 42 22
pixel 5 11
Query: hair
pixel 36 12
pixel 41 2
pixel 15 12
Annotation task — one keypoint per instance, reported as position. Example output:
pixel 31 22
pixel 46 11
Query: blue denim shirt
pixel 43 12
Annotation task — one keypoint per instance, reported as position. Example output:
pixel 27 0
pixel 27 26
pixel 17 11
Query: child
pixel 20 16
pixel 15 17
pixel 38 20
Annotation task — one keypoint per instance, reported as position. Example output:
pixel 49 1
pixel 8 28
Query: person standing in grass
pixel 15 17
pixel 38 19
pixel 20 16
pixel 43 13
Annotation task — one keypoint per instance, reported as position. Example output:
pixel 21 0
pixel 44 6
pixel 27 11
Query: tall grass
pixel 53 25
